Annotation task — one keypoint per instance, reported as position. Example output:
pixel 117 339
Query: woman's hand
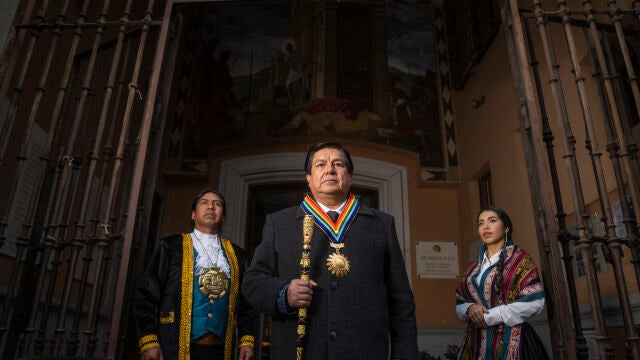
pixel 476 315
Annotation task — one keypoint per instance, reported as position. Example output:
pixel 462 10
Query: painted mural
pixel 260 71
pixel 413 84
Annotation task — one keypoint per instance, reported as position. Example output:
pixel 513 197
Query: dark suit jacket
pixel 367 314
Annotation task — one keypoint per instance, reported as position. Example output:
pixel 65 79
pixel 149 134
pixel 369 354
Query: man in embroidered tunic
pixel 188 302
pixel 359 303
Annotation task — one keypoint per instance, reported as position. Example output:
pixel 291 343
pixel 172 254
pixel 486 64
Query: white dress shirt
pixel 210 252
pixel 326 209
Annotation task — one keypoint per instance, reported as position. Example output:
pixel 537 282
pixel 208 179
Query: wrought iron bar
pixel 632 147
pixel 108 157
pixel 80 228
pixel 90 339
pixel 25 340
pixel 96 295
pixel 108 150
pixel 584 244
pixel 157 117
pixel 73 341
pixel 114 185
pixel 118 220
pixel 40 340
pixel 582 350
pixel 11 54
pixel 26 292
pixel 134 194
pixel 616 15
pixel 569 12
pixel 56 342
pixel 11 286
pixel 16 92
pixel 61 193
pixel 45 26
pixel 102 122
pixel 556 16
pixel 19 169
pixel 612 241
pixel 29 332
pixel 613 148
pixel 22 158
pixel 115 237
pixel 539 182
pixel 120 153
pixel 58 246
pixel 618 127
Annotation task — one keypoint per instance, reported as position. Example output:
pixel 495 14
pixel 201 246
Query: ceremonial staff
pixel 305 265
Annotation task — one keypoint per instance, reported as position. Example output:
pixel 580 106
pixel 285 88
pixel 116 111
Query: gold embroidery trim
pixel 247 340
pixel 148 346
pixel 148 342
pixel 167 319
pixel 186 298
pixel 235 284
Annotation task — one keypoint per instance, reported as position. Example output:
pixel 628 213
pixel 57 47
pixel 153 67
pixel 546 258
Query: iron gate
pixel 600 106
pixel 78 78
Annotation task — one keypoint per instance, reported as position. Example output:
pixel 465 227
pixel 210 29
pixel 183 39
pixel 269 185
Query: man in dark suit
pixel 358 299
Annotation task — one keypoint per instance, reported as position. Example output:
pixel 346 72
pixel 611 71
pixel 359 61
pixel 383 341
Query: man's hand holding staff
pixel 300 291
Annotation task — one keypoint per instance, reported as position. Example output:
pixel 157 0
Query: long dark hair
pixel 508 227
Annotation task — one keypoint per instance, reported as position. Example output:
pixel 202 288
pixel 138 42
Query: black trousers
pixel 207 352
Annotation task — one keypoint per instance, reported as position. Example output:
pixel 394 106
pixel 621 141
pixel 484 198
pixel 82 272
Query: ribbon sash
pixel 335 231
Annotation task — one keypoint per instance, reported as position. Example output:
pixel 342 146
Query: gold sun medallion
pixel 213 282
pixel 338 264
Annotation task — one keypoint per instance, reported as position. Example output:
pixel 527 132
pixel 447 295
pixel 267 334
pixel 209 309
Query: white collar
pixel 494 259
pixel 327 209
pixel 210 252
pixel 208 240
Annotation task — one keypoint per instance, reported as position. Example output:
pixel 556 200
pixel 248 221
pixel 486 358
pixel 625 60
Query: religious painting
pixel 267 70
pixel 412 84
pixel 230 57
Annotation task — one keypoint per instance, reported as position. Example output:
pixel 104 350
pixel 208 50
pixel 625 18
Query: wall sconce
pixel 476 103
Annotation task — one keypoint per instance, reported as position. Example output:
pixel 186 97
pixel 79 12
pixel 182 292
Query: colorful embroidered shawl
pixel 521 283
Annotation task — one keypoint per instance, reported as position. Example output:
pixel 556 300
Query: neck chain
pixel 204 248
pixel 213 282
